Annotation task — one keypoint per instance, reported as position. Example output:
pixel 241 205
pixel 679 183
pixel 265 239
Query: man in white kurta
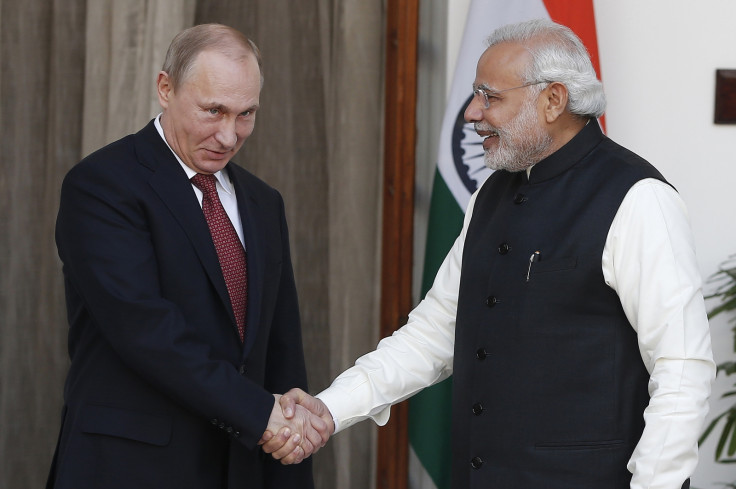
pixel 530 108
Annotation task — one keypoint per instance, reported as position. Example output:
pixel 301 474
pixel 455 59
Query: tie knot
pixel 206 183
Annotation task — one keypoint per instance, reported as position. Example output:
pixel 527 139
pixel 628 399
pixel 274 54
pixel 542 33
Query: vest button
pixel 504 248
pixel 520 198
pixel 476 462
pixel 477 409
pixel 491 301
pixel 242 370
pixel 481 354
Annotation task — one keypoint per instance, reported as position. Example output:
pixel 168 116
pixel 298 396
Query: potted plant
pixel 725 280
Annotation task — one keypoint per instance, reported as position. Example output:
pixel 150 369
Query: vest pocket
pixel 585 464
pixel 556 265
pixel 550 297
pixel 579 445
pixel 560 297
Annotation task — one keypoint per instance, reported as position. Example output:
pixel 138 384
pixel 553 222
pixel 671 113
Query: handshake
pixel 299 426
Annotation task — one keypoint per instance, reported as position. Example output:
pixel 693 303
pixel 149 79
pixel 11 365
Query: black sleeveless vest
pixel 549 387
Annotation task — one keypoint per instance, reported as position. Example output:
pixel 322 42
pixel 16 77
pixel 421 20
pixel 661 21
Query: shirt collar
pixel 221 176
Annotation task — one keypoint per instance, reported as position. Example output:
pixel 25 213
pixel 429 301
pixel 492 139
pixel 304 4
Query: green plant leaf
pixel 724 281
pixel 732 445
pixel 724 437
pixel 727 367
pixel 711 426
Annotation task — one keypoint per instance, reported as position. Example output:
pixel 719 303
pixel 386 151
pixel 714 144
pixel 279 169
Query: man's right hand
pixel 297 396
pixel 292 405
pixel 294 438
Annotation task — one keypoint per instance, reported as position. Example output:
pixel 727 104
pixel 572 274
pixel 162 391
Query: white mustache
pixel 484 126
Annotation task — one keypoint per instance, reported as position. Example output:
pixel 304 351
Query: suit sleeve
pixel 111 266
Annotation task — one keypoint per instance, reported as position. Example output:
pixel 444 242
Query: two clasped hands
pixel 299 426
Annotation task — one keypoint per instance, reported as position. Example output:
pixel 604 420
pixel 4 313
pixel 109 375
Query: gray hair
pixel 558 55
pixel 186 45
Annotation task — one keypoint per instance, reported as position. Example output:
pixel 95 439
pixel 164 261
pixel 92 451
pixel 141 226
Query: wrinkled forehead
pixel 209 63
pixel 502 65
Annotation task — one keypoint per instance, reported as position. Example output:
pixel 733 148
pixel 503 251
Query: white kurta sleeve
pixel 416 356
pixel 649 260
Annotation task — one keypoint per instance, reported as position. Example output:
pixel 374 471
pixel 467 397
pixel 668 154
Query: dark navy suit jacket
pixel 160 392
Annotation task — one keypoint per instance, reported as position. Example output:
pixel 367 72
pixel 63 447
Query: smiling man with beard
pixel 569 309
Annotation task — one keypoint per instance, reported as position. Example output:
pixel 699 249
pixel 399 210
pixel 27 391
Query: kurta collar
pixel 569 155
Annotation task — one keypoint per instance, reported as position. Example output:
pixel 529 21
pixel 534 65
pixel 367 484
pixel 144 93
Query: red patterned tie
pixel 230 250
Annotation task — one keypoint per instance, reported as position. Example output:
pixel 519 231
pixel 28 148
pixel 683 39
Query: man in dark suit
pixel 181 299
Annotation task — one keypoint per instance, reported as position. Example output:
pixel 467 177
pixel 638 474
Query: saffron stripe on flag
pixel 581 19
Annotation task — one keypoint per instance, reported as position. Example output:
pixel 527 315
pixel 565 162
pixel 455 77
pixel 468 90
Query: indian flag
pixel 460 171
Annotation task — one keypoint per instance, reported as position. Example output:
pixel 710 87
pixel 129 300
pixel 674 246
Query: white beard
pixel 522 144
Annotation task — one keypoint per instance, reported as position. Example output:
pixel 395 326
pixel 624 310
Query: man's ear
pixel 164 89
pixel 554 99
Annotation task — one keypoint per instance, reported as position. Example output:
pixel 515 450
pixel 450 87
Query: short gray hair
pixel 186 45
pixel 558 55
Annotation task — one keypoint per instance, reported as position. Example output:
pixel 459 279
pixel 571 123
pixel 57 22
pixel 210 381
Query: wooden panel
pixel 725 110
pixel 398 210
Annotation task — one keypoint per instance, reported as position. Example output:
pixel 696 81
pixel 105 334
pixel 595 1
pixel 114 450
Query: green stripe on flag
pixel 443 227
pixel 429 411
pixel 430 433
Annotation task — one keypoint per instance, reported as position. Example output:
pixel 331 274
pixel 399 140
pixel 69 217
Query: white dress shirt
pixel 649 260
pixel 225 189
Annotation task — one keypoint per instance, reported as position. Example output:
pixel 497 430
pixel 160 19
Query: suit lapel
pixel 170 182
pixel 253 235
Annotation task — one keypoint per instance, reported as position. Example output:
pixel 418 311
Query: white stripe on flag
pixel 418 477
pixel 460 155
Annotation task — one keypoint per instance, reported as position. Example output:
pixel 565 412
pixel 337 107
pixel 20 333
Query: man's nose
pixel 226 134
pixel 474 111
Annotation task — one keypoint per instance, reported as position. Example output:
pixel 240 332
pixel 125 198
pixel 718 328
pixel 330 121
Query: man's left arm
pixel 649 259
